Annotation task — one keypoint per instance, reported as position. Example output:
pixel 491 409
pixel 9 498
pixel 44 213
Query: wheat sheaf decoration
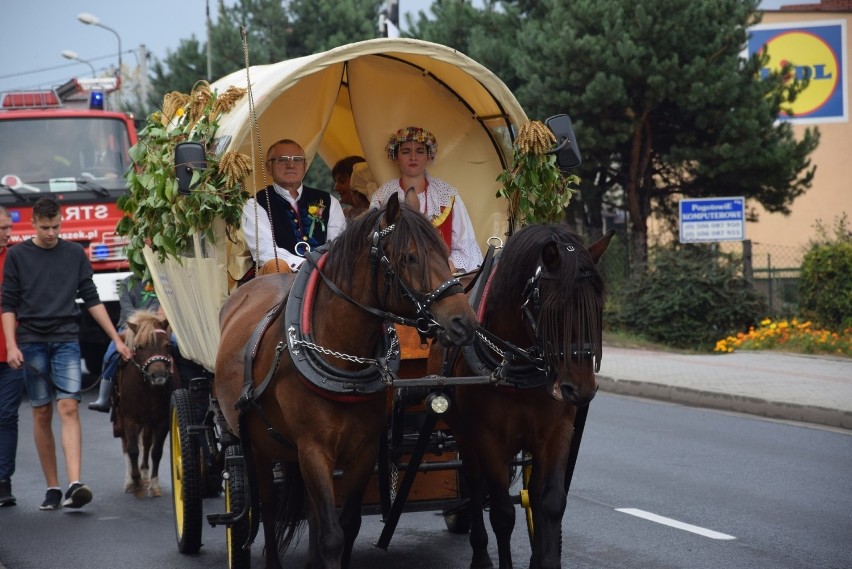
pixel 156 214
pixel 536 189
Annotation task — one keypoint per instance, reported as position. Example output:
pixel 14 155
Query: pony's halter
pixel 425 323
pixel 146 365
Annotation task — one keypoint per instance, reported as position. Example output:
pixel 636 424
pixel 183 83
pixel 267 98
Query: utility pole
pixel 209 47
pixel 143 76
pixel 389 19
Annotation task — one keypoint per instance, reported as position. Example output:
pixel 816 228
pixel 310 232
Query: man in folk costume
pixel 294 215
pixel 414 148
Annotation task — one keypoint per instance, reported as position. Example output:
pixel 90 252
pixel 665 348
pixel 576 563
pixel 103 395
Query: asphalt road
pixel 777 493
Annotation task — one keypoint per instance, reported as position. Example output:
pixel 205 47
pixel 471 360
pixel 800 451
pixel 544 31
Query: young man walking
pixel 42 278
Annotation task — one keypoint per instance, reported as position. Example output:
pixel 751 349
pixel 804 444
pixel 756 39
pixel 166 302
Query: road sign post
pixel 708 220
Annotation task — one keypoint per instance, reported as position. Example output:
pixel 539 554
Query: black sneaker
pixel 77 496
pixel 52 500
pixel 6 497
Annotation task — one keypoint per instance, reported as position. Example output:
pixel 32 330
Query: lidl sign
pixel 817 51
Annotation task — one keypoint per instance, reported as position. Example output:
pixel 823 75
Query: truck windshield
pixel 53 154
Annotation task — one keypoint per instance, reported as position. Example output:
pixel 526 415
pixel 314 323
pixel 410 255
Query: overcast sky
pixel 36 32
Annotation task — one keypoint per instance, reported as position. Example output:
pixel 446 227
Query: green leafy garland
pixel 537 190
pixel 155 213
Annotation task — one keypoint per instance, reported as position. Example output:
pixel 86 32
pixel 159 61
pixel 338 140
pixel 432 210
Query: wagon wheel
pixel 526 473
pixel 237 534
pixel 186 473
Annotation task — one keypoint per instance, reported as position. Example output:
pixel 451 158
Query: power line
pixel 55 67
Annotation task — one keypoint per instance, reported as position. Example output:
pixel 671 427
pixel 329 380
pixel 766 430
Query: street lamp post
pixel 91 20
pixel 68 54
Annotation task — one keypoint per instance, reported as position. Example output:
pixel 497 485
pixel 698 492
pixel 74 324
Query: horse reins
pixel 425 323
pixel 518 366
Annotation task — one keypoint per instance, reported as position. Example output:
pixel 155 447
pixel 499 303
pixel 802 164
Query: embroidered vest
pixel 291 227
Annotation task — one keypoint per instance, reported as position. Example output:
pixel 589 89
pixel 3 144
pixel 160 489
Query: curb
pixel 727 402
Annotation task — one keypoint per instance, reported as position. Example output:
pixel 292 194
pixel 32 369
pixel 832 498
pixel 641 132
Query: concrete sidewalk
pixel 811 389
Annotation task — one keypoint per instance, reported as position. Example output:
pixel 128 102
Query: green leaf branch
pixel 537 190
pixel 155 213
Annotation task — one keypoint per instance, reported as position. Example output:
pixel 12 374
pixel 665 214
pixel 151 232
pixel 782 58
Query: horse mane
pixel 351 248
pixel 572 296
pixel 147 323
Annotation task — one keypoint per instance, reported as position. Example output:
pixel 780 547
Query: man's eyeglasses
pixel 287 159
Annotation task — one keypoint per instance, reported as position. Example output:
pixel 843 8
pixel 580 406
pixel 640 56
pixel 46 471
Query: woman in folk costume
pixel 413 148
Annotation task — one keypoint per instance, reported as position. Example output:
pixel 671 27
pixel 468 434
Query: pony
pixel 305 362
pixel 144 385
pixel 541 309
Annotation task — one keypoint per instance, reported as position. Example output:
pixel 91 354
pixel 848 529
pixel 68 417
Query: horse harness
pixel 516 367
pixel 329 381
pixel 146 365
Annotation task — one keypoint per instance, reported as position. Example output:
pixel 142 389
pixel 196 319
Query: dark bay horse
pixel 304 357
pixel 542 306
pixel 144 385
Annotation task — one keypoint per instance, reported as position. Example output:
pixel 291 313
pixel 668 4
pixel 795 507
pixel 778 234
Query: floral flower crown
pixel 412 134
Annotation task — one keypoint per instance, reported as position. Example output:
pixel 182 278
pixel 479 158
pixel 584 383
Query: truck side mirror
pixel 189 157
pixel 566 150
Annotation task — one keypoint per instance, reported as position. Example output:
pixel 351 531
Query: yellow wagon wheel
pixel 186 473
pixel 526 473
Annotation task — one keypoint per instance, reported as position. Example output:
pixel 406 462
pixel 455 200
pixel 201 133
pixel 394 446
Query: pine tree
pixel 663 103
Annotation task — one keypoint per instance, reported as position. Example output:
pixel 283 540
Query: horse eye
pixel 411 259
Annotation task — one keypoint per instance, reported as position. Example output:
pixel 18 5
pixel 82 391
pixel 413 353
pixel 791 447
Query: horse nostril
pixel 461 330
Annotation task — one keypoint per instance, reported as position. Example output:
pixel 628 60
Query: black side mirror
pixel 189 156
pixel 567 152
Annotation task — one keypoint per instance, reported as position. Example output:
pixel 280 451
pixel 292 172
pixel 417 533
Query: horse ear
pixel 600 246
pixel 550 256
pixel 134 326
pixel 164 323
pixel 411 199
pixel 392 209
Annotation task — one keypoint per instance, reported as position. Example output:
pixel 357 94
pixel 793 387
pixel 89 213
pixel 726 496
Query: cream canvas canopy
pixel 349 100
pixel 346 101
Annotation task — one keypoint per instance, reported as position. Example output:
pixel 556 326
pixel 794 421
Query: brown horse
pixel 541 311
pixel 320 404
pixel 144 385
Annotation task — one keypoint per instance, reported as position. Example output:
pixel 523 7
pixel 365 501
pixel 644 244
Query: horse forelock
pixel 571 298
pixel 353 246
pixel 147 325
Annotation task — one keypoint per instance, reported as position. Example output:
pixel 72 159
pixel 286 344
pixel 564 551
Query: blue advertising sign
pixel 816 51
pixel 706 220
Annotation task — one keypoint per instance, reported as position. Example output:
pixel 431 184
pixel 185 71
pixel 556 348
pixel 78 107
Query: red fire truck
pixel 65 143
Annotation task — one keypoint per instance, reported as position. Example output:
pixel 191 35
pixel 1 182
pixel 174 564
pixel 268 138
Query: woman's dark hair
pixel 344 166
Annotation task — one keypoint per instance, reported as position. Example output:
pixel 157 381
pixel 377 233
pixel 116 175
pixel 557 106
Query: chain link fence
pixel 773 270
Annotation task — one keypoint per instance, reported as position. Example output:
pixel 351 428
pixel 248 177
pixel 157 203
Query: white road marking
pixel 674 523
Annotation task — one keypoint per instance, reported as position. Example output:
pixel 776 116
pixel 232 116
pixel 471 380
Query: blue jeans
pixel 111 359
pixel 51 369
pixel 11 392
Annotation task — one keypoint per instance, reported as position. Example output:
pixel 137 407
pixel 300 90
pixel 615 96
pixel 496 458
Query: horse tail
pixel 290 514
